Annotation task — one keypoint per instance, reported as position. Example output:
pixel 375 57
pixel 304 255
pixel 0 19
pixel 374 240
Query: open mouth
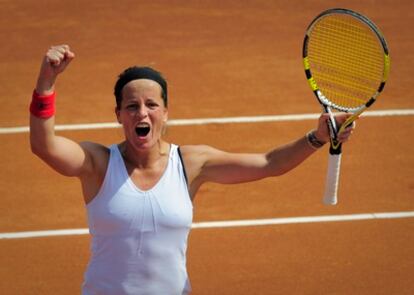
pixel 142 129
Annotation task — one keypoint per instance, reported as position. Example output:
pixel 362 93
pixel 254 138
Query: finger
pixel 344 136
pixel 350 125
pixel 62 48
pixel 69 55
pixel 340 118
pixel 346 132
pixel 324 117
pixel 54 59
pixel 60 54
pixel 66 52
pixel 59 48
pixel 55 54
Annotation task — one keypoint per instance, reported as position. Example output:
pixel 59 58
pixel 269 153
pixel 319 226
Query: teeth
pixel 143 125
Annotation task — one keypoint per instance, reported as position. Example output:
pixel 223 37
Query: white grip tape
pixel 332 180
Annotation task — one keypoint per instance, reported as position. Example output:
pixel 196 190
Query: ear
pixel 164 121
pixel 118 116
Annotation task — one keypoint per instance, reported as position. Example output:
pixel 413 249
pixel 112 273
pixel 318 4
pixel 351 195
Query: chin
pixel 146 144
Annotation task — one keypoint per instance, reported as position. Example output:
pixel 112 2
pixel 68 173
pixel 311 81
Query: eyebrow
pixel 136 100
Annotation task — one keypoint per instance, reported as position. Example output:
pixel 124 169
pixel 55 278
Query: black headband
pixel 135 73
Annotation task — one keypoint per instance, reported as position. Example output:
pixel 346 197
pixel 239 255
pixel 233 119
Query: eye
pixel 132 107
pixel 152 104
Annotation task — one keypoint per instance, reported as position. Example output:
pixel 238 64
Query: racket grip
pixel 332 180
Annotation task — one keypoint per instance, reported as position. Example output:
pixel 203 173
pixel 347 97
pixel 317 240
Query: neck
pixel 144 158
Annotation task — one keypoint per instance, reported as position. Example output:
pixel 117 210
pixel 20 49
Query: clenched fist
pixel 54 62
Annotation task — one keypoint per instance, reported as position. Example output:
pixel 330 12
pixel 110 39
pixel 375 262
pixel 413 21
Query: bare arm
pixel 63 155
pixel 206 164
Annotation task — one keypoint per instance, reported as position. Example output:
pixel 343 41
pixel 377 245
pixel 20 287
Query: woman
pixel 139 193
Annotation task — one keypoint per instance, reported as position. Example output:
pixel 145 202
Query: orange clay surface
pixel 222 59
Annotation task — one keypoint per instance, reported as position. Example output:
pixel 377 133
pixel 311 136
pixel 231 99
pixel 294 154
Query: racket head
pixel 346 59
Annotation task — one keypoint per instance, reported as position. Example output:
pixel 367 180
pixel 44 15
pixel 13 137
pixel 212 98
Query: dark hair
pixel 135 73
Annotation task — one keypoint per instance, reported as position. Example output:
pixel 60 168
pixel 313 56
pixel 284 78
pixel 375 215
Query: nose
pixel 142 112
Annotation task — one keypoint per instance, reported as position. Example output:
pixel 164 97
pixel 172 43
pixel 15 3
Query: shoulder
pixel 195 158
pixel 199 153
pixel 198 157
pixel 95 149
pixel 198 149
pixel 98 154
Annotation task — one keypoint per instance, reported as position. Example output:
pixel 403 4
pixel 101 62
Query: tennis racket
pixel 346 63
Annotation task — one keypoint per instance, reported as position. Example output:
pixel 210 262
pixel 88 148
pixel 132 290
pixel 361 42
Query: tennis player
pixel 138 193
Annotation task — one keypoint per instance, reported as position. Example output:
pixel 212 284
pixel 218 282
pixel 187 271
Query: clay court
pixel 222 59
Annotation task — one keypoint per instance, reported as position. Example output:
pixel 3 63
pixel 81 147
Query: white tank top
pixel 139 238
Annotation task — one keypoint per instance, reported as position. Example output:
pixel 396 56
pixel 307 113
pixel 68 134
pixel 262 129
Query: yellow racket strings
pixel 346 60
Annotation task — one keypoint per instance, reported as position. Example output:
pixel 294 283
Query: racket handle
pixel 332 179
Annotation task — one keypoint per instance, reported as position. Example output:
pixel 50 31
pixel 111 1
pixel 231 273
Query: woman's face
pixel 142 113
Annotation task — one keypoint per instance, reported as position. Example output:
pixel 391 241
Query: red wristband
pixel 43 106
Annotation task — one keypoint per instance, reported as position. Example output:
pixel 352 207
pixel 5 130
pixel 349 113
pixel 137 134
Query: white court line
pixel 232 223
pixel 204 121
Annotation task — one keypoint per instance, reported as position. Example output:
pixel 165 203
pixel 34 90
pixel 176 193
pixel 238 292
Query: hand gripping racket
pixel 346 63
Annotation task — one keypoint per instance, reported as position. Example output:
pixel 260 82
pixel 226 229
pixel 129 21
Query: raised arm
pixel 63 155
pixel 206 164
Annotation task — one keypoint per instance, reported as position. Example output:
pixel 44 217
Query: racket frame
pixel 335 146
pixel 323 100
